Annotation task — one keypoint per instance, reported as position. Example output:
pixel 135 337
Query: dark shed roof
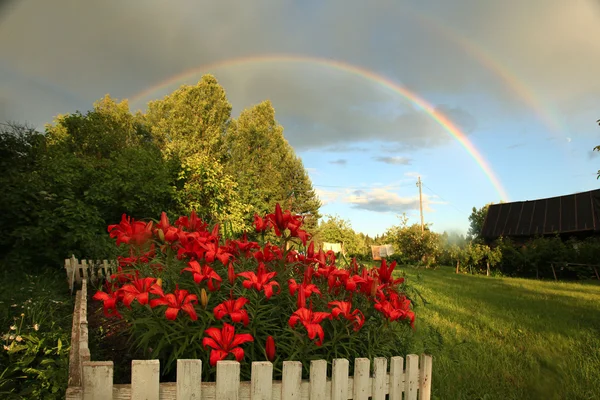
pixel 574 213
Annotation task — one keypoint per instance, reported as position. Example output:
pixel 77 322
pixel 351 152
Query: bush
pixel 35 345
pixel 422 248
pixel 185 293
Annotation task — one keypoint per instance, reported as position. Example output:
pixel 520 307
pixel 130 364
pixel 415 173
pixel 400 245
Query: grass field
pixel 507 338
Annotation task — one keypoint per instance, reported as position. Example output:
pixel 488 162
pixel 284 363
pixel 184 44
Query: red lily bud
pixel 270 348
pixel 203 298
pixel 231 275
pixel 374 287
pixel 301 300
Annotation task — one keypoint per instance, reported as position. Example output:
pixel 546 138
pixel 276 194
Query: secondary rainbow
pixel 516 85
pixel 439 117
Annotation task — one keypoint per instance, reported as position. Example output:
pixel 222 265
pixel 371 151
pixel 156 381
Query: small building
pixel 574 215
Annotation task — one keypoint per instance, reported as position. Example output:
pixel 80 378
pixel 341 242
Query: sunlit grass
pixel 507 338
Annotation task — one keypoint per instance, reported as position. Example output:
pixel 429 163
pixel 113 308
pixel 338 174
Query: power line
pixel 441 198
pixel 362 187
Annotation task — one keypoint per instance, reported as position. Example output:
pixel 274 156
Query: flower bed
pixel 185 291
pixel 95 379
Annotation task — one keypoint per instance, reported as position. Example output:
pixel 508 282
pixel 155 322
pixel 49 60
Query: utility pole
pixel 419 184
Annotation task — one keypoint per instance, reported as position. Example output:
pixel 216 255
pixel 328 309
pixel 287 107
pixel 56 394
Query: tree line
pixel 63 186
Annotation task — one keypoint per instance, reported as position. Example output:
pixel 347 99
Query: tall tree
pixel 191 120
pixel 476 221
pixel 265 166
pixel 298 188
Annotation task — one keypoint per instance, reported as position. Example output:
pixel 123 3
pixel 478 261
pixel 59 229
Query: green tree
pixel 302 197
pixel 203 186
pixel 265 166
pixel 416 246
pixel 337 230
pixel 191 120
pixel 476 221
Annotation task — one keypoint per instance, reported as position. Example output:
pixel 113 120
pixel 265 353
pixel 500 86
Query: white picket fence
pixel 78 270
pixel 93 380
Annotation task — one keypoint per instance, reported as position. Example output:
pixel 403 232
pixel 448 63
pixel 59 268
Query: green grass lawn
pixel 508 338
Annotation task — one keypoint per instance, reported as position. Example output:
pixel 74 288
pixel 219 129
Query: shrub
pixel 35 343
pixel 186 293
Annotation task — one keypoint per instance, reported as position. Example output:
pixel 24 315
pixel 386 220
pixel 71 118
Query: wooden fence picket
pixel 339 379
pixel 189 379
pixel 261 384
pixel 396 378
pixel 145 379
pixel 362 380
pixel 291 380
pixel 318 380
pixel 228 380
pixel 411 382
pixel 379 379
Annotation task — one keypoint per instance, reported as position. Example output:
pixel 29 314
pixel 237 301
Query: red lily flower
pixel 171 234
pixel 131 231
pixel 224 341
pixel 311 321
pixel 110 299
pixel 179 300
pixel 270 348
pixel 261 225
pixel 385 274
pixel 244 246
pixel 234 308
pixel 398 307
pixel 268 253
pixel 294 226
pixel 260 280
pixel 213 250
pixel 344 308
pixel 205 273
pixel 191 224
pixel 191 246
pixel 282 221
pixel 139 289
pixel 370 287
pixel 307 288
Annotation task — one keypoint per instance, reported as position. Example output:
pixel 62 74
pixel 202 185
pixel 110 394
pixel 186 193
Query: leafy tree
pixel 476 221
pixel 108 128
pixel 302 199
pixel 191 120
pixel 265 167
pixel 203 186
pixel 337 230
pixel 416 246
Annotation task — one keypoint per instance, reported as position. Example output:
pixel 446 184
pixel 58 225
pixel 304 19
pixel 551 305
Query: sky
pixel 484 100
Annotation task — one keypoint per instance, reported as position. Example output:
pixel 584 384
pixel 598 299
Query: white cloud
pixel 327 196
pixel 396 160
pixel 385 200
